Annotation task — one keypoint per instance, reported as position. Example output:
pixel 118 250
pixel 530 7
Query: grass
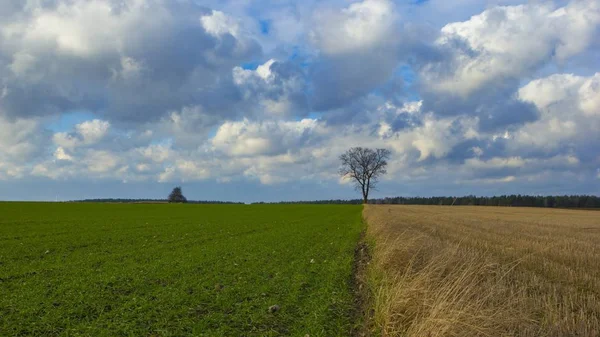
pixel 176 270
pixel 484 271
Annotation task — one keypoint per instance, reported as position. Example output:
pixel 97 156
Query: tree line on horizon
pixel 158 201
pixel 516 200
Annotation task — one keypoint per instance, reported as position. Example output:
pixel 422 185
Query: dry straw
pixel 484 271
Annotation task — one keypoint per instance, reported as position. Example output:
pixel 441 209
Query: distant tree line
pixel 123 200
pixel 559 201
pixel 331 201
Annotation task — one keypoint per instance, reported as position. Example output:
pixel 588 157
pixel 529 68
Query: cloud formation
pixel 490 97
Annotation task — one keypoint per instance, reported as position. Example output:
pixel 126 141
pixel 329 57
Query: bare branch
pixel 364 166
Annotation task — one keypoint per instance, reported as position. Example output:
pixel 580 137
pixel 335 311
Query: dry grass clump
pixel 483 271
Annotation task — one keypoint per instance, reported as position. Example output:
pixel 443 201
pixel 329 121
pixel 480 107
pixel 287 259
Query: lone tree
pixel 176 196
pixel 364 166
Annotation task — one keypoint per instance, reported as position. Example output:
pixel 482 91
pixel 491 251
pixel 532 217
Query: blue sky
pixel 256 100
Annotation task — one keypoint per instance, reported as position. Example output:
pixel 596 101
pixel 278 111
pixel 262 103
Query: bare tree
pixel 364 166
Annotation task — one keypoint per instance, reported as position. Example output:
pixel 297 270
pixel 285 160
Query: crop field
pixel 176 270
pixel 484 271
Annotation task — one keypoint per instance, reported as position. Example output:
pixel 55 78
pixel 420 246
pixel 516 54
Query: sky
pixel 247 100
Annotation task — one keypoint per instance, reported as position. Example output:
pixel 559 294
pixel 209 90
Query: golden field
pixel 483 271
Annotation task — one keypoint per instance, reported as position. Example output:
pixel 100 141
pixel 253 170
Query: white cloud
pixel 99 161
pixel 358 50
pixel 142 167
pixel 19 139
pixel 570 111
pixel 61 154
pixel 219 24
pixel 176 97
pixel 85 134
pixel 510 42
pixel 511 162
pixel 69 29
pixel 92 131
pixel 589 95
pixel 245 138
pixel 158 153
pixel 22 63
pixel 517 164
pixel 276 88
pixel 185 170
pixel 434 137
pixel 137 60
pixel 507 179
pixel 168 175
pixel 478 151
pixel 130 69
pixel 550 90
pixel 359 27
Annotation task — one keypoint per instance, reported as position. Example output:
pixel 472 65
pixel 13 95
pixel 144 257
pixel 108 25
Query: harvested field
pixel 484 271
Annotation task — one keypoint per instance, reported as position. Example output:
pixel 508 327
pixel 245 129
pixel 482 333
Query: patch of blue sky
pixel 162 141
pixel 213 131
pixel 299 58
pixel 409 77
pixel 265 26
pixel 66 121
pixel 250 65
pixel 407 73
pixel 407 90
pixel 296 56
pixel 311 115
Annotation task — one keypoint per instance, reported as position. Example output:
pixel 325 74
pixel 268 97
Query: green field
pixel 176 270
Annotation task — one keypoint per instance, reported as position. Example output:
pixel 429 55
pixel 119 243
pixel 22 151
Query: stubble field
pixel 484 271
pixel 176 270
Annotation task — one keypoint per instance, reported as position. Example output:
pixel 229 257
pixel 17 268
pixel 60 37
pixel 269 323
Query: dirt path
pixel 363 312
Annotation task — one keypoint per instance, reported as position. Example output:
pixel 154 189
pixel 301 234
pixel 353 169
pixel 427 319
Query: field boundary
pixel 363 300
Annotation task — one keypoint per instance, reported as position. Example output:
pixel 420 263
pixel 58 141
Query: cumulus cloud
pixel 136 62
pixel 486 96
pixel 277 89
pixel 570 117
pixel 86 133
pixel 61 154
pixel 510 42
pixel 246 138
pixel 362 25
pixel 358 51
pixel 22 142
pixel 21 139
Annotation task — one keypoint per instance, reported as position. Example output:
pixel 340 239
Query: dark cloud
pixel 164 60
pixel 192 98
pixel 496 105
pixel 338 80
pixel 276 88
pixel 404 121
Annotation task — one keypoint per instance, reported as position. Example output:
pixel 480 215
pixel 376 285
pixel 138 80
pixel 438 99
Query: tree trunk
pixel 366 192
